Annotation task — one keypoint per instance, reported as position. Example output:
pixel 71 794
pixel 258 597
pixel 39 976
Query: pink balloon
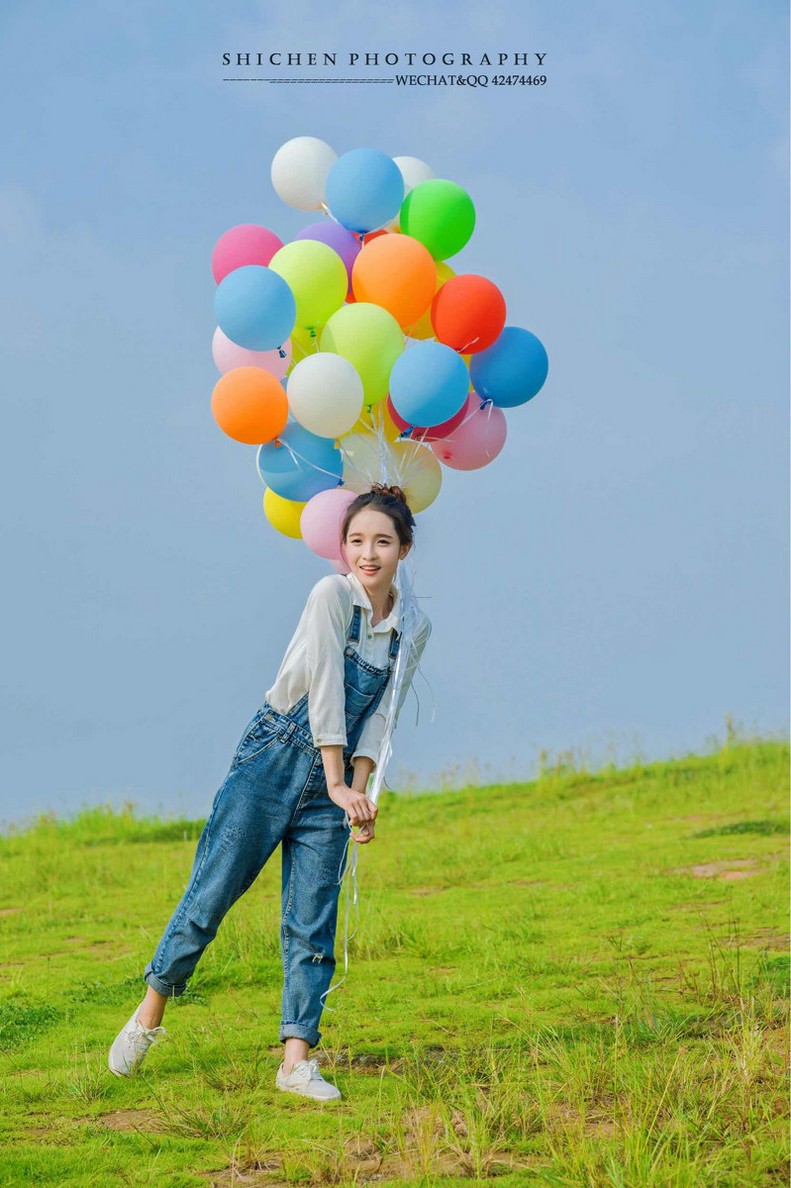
pixel 246 244
pixel 433 432
pixel 321 521
pixel 228 355
pixel 341 566
pixel 477 440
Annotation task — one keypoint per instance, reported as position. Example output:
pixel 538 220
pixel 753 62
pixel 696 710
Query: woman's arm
pixel 353 800
pixel 362 770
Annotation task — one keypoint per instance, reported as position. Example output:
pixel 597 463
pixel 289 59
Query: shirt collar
pixel 360 598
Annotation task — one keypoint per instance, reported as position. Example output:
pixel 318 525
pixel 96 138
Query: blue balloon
pixel 365 189
pixel 310 465
pixel 255 308
pixel 429 383
pixel 512 369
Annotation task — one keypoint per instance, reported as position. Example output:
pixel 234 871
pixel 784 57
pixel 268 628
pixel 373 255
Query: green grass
pixel 581 980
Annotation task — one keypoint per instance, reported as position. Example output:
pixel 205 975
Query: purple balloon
pixel 344 242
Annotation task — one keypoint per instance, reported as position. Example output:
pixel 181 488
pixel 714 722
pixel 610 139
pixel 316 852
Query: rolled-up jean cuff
pixel 162 987
pixel 294 1031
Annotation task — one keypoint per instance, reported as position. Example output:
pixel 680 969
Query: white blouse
pixel 314 661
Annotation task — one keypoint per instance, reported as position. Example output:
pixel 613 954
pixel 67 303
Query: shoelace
pixel 308 1071
pixel 143 1037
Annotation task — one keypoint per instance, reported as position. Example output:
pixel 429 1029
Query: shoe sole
pixel 117 1072
pixel 309 1096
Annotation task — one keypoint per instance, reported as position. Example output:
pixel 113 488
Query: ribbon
pixel 387 467
pixel 408 620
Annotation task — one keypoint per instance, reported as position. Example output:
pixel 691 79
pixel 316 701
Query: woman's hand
pixel 366 833
pixel 359 808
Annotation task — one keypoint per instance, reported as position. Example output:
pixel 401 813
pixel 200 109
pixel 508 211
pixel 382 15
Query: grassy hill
pixel 582 980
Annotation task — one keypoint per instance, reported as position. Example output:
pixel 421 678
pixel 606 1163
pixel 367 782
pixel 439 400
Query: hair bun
pixel 383 498
pixel 393 490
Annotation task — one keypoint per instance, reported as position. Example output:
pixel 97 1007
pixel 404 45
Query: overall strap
pixel 395 642
pixel 354 631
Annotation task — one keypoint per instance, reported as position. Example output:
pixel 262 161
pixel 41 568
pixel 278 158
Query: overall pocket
pixel 261 734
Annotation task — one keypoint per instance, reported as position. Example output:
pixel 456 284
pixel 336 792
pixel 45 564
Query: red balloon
pixel 468 313
pixel 369 235
pixel 433 432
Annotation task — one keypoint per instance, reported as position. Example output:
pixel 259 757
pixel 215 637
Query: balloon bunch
pixel 355 354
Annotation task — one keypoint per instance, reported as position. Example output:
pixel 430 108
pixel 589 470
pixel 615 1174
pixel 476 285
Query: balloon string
pixel 411 458
pixel 295 344
pixel 408 620
pixel 419 670
pixel 408 625
pixel 384 458
pixel 387 472
pixel 351 874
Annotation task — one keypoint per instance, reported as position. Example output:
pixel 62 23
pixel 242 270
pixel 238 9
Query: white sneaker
pixel 306 1079
pixel 131 1044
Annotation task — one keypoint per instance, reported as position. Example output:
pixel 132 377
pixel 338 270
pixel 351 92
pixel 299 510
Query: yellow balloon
pixel 377 420
pixel 283 514
pixel 420 474
pixel 303 343
pixel 423 327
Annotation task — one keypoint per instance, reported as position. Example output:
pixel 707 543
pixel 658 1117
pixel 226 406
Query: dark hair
pixel 391 501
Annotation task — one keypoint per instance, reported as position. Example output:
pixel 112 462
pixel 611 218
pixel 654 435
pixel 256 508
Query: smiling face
pixel 373 551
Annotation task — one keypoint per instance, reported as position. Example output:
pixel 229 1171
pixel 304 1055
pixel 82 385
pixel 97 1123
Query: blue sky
pixel 615 581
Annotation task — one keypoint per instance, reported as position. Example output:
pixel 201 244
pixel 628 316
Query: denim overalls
pixel 276 792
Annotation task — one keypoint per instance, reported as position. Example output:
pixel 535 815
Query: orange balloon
pixel 423 327
pixel 468 314
pixel 398 273
pixel 249 404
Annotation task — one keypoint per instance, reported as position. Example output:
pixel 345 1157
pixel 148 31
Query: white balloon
pixel 325 394
pixel 299 171
pixel 414 171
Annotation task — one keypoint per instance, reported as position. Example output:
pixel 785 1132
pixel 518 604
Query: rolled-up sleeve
pixel 374 728
pixel 326 624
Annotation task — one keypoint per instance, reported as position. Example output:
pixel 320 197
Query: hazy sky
pixel 615 580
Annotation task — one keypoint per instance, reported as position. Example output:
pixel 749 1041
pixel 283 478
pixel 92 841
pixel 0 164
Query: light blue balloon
pixel 512 369
pixel 365 189
pixel 255 308
pixel 429 383
pixel 312 463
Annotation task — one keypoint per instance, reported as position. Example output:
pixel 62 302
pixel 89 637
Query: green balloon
pixel 371 339
pixel 317 277
pixel 440 215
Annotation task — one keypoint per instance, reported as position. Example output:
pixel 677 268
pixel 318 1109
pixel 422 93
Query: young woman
pixel 298 778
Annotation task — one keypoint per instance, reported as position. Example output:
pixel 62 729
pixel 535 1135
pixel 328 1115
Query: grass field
pixel 581 980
